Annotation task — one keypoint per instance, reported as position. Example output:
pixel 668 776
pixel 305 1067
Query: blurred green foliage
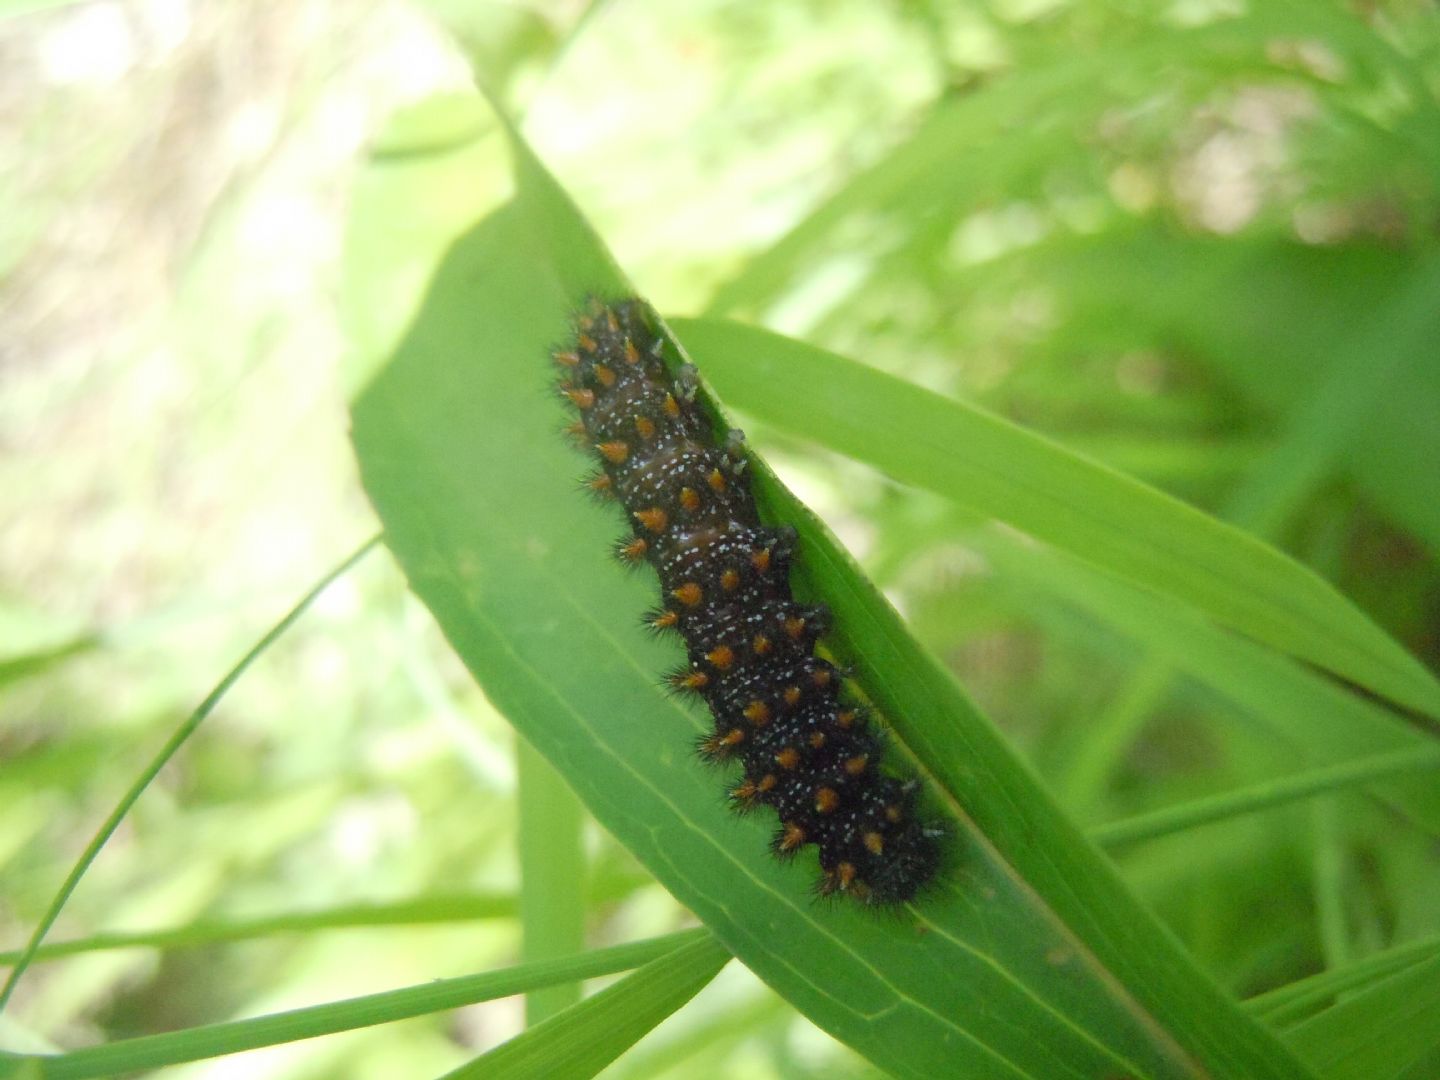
pixel 1195 241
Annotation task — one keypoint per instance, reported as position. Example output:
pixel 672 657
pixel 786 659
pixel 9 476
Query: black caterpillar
pixel 725 587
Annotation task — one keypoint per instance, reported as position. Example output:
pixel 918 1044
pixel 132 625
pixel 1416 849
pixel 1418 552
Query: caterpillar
pixel 807 752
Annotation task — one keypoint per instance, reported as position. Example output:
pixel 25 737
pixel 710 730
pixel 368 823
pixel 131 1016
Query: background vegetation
pixel 1192 242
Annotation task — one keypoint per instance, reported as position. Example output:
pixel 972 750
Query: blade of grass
pixel 1320 724
pixel 582 1040
pixel 1277 792
pixel 1266 315
pixel 1321 430
pixel 26 665
pixel 1330 879
pixel 552 876
pixel 232 1037
pixel 713 1038
pixel 1378 1032
pixel 163 755
pixel 424 911
pixel 1285 1006
pixel 1107 740
pixel 996 468
pixel 1316 436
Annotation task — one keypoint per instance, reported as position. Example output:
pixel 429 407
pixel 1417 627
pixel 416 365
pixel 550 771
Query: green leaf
pixel 1377 1033
pixel 1029 959
pixel 586 1037
pixel 995 468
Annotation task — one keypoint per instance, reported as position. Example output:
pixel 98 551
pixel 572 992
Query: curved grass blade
pixel 1031 960
pixel 232 1037
pixel 580 1041
pixel 165 753
pixel 422 911
pixel 998 469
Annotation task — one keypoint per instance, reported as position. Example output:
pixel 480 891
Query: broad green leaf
pixel 995 468
pixel 232 1037
pixel 1029 959
pixel 586 1037
pixel 1377 1033
pixel 438 158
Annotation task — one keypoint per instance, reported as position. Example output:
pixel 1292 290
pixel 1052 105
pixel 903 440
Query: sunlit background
pixel 1149 244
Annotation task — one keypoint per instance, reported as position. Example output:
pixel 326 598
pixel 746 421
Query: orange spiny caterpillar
pixel 724 577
